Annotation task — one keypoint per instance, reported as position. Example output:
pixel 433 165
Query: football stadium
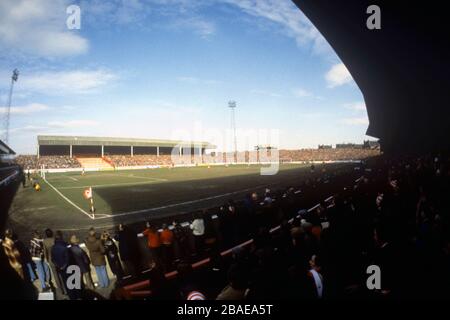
pixel 135 180
pixel 240 151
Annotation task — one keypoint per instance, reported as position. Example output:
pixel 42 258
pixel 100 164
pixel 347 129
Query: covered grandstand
pixel 74 146
pixel 6 153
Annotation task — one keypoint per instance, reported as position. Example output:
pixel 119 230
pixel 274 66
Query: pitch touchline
pixel 65 198
pixel 108 185
pixel 106 216
pixel 141 177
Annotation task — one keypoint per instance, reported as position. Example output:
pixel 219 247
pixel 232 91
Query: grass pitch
pixel 136 195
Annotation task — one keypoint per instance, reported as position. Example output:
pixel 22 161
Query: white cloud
pixel 130 11
pixel 265 93
pixel 338 75
pixel 66 82
pixel 292 21
pixel 356 106
pixel 357 121
pixel 360 112
pixel 72 124
pixel 200 26
pixel 54 125
pixel 17 95
pixel 177 14
pixel 28 128
pixel 38 27
pixel 27 109
pixel 301 93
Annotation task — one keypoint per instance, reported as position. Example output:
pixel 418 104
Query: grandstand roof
pixel 4 149
pixel 112 141
pixel 401 69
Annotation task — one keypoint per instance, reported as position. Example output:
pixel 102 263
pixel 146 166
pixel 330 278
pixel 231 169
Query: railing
pixel 109 161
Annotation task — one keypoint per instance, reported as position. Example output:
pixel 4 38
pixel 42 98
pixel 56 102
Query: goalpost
pixel 42 172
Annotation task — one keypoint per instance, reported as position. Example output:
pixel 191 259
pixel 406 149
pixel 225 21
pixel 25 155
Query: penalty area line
pixel 68 200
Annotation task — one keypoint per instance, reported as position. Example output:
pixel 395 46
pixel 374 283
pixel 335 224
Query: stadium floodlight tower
pixel 14 78
pixel 232 106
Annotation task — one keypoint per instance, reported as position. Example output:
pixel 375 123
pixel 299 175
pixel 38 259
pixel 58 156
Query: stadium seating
pixel 94 163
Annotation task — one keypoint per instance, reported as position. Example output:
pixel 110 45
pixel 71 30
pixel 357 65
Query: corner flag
pixel 87 194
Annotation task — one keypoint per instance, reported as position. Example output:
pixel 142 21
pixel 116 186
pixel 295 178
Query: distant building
pixel 371 144
pixel 79 146
pixel 264 147
pixel 6 153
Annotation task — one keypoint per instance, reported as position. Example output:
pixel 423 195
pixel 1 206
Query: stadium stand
pixel 110 161
pixel 389 211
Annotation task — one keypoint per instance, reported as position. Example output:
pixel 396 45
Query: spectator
pixel 210 239
pixel 112 255
pixel 188 284
pixel 97 254
pixel 49 242
pixel 198 230
pixel 153 242
pixel 82 261
pixel 60 256
pixel 159 285
pixel 129 249
pixel 237 286
pixel 315 271
pixel 26 259
pixel 267 197
pixel 180 243
pixel 233 222
pixel 12 253
pixel 167 246
pixel 37 255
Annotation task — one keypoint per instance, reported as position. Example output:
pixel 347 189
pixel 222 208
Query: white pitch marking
pixel 65 198
pixel 38 209
pixel 177 204
pixel 141 177
pixel 109 185
pixel 74 179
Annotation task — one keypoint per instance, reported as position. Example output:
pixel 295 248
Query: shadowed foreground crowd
pixel 395 216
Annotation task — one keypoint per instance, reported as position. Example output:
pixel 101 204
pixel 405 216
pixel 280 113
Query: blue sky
pixel 167 69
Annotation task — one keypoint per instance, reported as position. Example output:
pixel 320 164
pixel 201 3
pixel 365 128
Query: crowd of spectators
pixel 395 216
pixel 336 154
pixel 49 162
pixel 303 155
pixel 139 160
